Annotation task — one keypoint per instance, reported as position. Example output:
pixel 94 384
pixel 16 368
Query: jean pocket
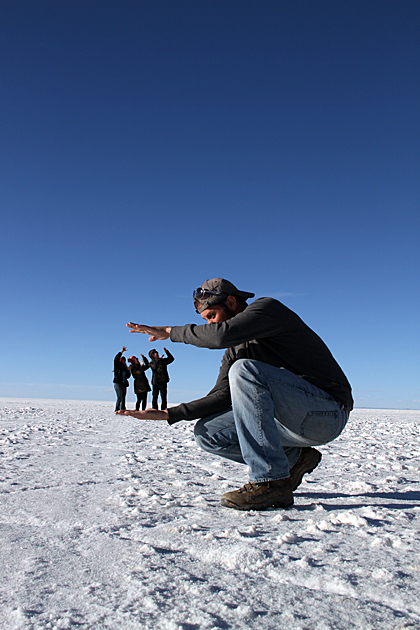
pixel 321 426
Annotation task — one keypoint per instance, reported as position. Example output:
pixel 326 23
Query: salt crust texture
pixel 111 523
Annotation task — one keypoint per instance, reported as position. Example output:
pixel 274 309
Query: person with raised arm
pixel 121 376
pixel 160 378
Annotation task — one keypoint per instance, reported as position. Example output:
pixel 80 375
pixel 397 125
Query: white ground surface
pixel 110 523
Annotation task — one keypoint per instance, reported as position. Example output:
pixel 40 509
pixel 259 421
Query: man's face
pixel 216 314
pixel 155 356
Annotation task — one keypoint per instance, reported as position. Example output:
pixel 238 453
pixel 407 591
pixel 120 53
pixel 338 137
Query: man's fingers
pixel 158 333
pixel 136 328
pixel 149 414
pixel 140 328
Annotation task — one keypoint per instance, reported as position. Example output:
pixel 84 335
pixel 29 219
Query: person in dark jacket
pixel 121 376
pixel 160 378
pixel 141 384
pixel 279 393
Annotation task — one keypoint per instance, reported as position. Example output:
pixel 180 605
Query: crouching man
pixel 279 392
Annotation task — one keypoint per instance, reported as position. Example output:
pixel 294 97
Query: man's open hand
pixel 158 333
pixel 147 414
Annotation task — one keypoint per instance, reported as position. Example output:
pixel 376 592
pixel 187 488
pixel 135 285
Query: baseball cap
pixel 132 358
pixel 215 291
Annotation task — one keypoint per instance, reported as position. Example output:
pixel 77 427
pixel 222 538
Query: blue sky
pixel 146 146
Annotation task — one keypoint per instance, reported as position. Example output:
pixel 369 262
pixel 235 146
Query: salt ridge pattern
pixel 107 522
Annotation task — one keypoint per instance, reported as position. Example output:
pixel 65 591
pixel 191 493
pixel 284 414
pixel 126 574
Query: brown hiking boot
pixel 260 496
pixel 307 461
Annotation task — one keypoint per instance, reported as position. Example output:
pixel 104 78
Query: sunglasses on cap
pixel 204 294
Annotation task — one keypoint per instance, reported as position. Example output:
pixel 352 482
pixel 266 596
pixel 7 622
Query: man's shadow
pixel 392 497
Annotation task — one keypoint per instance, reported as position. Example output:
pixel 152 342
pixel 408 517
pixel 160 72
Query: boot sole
pixel 259 507
pixel 316 458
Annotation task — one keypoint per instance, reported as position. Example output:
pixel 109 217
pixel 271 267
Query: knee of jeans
pixel 240 369
pixel 201 436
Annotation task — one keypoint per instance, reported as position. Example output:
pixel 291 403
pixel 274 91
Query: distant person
pixel 141 384
pixel 160 377
pixel 121 376
pixel 279 393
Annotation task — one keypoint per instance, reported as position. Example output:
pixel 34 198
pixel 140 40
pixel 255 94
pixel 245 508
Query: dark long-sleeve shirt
pixel 141 384
pixel 265 331
pixel 160 368
pixel 121 371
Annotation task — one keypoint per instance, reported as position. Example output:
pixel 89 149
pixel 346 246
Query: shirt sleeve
pixel 169 358
pixel 263 318
pixel 117 360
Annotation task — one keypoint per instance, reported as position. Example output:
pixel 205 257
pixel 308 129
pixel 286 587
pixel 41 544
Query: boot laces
pixel 250 486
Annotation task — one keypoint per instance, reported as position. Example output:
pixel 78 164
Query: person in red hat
pixel 279 393
pixel 141 384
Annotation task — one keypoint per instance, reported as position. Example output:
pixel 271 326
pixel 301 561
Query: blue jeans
pixel 121 391
pixel 274 413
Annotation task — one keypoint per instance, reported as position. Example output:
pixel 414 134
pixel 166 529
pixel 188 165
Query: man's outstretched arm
pixel 158 333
